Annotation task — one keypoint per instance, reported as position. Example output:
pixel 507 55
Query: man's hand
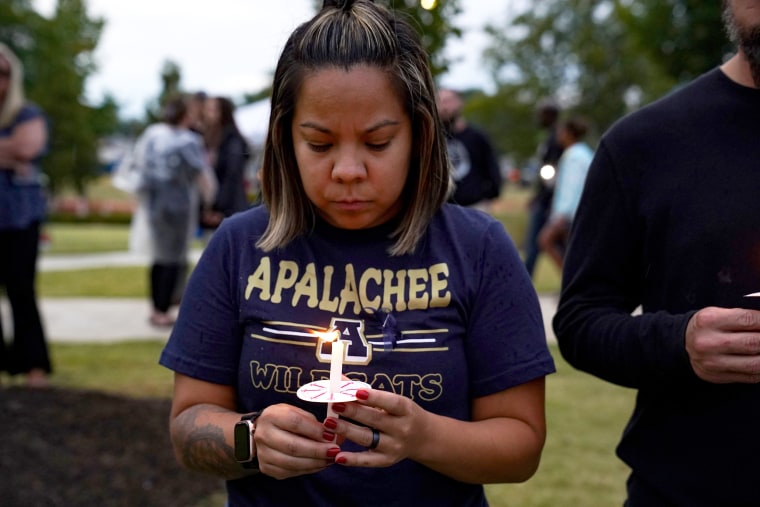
pixel 724 345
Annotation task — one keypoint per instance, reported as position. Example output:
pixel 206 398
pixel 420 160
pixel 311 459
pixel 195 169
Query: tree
pixel 171 85
pixel 683 37
pixel 434 24
pixel 599 58
pixel 58 58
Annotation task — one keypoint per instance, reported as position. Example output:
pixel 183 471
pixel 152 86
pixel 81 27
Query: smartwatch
pixel 244 446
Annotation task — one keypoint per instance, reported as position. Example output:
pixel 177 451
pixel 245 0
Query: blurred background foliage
pixel 598 58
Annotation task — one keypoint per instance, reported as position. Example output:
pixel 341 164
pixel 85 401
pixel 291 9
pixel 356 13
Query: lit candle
pixel 336 366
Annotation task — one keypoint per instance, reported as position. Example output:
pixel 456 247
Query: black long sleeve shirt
pixel 670 221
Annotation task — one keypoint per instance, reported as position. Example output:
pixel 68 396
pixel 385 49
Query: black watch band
pixel 244 443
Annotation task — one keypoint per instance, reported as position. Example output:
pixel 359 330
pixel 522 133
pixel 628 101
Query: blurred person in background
pixel 174 174
pixel 228 154
pixel 23 140
pixel 669 222
pixel 475 166
pixel 548 153
pixel 572 169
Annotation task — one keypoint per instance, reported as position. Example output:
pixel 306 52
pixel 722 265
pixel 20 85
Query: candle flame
pixel 330 335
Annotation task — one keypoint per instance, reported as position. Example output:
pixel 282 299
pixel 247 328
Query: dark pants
pixel 18 269
pixel 164 280
pixel 539 213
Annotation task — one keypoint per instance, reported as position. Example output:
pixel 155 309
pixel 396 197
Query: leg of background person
pixel 179 287
pixel 29 351
pixel 163 278
pixel 5 239
pixel 536 221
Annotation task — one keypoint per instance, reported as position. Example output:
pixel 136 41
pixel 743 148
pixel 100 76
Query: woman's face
pixel 211 111
pixel 353 142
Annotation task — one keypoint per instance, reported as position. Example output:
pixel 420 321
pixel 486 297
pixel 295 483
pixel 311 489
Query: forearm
pixel 496 450
pixel 631 351
pixel 202 436
pixel 25 144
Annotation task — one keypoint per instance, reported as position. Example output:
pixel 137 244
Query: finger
pixel 745 367
pixel 741 343
pixel 723 377
pixel 727 369
pixel 728 319
pixel 281 466
pixel 295 457
pixel 291 420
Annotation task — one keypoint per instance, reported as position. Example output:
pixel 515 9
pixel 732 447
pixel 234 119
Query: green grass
pixel 109 282
pixel 129 368
pixel 86 238
pixel 585 417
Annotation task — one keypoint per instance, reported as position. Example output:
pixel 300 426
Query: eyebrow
pixel 373 128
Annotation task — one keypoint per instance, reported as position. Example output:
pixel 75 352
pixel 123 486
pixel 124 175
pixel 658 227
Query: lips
pixel 351 205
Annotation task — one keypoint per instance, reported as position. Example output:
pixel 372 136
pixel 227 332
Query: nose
pixel 348 166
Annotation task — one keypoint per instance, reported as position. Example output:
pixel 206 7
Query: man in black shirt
pixel 669 222
pixel 475 168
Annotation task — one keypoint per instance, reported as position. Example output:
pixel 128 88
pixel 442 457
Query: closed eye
pixel 319 148
pixel 378 146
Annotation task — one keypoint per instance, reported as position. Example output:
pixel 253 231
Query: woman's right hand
pixel 291 442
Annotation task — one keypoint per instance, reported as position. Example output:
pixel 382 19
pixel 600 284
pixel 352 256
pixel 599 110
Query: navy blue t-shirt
pixel 464 323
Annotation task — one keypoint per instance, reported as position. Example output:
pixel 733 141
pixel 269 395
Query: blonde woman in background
pixel 23 140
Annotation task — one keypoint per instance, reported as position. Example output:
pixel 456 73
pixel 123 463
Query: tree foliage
pixel 57 54
pixel 598 58
pixel 434 24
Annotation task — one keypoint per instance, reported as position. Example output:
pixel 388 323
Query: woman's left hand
pixel 393 422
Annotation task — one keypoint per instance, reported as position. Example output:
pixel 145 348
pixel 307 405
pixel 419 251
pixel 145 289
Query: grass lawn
pixel 585 418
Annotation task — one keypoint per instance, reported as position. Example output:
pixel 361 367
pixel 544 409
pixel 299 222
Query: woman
pixel 173 171
pixel 436 308
pixel 228 152
pixel 23 140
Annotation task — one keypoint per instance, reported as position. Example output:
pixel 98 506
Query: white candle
pixel 336 366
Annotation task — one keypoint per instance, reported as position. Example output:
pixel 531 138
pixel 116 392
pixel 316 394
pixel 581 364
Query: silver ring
pixel 375 439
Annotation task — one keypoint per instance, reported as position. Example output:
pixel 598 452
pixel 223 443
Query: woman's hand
pixel 291 442
pixel 394 422
pixel 501 443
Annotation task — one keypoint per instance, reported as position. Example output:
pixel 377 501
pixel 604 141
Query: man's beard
pixel 745 37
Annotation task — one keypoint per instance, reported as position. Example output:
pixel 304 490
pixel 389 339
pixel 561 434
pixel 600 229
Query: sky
pixel 230 47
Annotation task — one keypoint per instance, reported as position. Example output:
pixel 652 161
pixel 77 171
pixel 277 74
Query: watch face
pixel 243 441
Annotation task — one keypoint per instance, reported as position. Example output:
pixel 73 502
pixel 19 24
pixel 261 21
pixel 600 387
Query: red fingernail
pixel 362 394
pixel 329 436
pixel 339 407
pixel 331 423
pixel 332 452
pixel 341 461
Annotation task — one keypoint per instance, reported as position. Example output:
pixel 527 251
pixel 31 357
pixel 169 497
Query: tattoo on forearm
pixel 203 446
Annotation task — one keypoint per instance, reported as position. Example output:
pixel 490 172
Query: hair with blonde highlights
pixel 345 34
pixel 14 97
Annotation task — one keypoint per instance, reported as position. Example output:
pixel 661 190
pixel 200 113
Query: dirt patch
pixel 63 447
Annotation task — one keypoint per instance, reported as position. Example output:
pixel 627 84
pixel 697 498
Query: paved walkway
pixel 110 320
